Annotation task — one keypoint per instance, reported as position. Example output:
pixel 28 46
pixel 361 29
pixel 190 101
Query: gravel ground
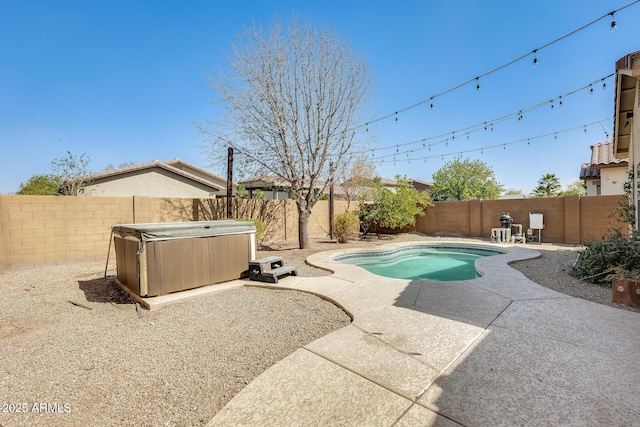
pixel 77 351
pixel 72 340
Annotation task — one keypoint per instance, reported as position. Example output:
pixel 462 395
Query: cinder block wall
pixel 596 216
pixel 319 221
pixel 571 219
pixel 52 230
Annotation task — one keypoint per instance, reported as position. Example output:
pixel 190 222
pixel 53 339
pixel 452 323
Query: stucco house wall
pixel 202 174
pixel 593 187
pixel 612 180
pixel 154 182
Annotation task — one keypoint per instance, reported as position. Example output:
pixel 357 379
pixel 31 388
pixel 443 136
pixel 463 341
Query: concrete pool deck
pixel 497 350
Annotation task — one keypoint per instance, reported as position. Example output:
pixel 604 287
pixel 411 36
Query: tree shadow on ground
pixel 104 290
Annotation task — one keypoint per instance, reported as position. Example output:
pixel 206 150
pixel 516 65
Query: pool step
pixel 269 269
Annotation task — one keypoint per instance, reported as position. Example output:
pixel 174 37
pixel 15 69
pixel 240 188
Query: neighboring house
pixel 605 174
pixel 626 133
pixel 274 188
pixel 174 178
pixel 421 185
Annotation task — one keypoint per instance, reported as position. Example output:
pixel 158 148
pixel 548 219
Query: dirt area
pixel 75 350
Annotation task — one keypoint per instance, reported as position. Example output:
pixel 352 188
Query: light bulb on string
pixel 604 85
pixel 614 24
pixel 535 57
pixel 560 102
pixel 396 117
pixel 478 84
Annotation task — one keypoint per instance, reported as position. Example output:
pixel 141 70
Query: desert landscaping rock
pixel 81 350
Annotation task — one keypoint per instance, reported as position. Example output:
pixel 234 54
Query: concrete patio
pixel 497 350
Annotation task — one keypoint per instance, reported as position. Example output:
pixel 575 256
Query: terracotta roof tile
pixel 602 156
pixel 586 172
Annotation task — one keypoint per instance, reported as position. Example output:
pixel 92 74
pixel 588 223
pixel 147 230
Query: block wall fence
pixel 41 230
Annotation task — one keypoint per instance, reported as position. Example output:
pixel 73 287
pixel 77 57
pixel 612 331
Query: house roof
pixel 586 172
pixel 265 180
pixel 177 162
pixel 602 156
pixel 419 181
pixel 157 164
pixel 270 181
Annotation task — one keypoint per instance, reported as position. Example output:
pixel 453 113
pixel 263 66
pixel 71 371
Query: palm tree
pixel 548 186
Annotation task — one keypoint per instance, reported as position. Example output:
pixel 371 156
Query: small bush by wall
pixel 346 226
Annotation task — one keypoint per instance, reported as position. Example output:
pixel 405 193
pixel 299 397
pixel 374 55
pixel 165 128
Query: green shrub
pixel 602 258
pixel 260 227
pixel 617 254
pixel 392 209
pixel 346 226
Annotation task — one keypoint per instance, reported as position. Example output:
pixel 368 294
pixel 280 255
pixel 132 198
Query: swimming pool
pixel 424 262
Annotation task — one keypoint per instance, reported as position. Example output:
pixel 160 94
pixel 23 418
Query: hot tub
pixel 156 259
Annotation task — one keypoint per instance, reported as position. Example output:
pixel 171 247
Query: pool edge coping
pixel 326 259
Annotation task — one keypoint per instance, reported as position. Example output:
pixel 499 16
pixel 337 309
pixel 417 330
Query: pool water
pixel 422 263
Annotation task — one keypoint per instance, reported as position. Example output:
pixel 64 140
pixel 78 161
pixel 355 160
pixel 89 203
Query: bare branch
pixel 290 99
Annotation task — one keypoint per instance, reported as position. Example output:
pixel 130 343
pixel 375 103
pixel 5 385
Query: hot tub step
pixel 269 269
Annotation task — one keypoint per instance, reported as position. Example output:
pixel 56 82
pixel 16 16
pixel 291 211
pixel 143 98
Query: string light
pixel 535 57
pixel 478 84
pixel 504 145
pixel 614 24
pixel 509 63
pixel 489 124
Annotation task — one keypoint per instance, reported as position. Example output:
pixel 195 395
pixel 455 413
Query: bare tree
pixel 356 178
pixel 291 98
pixel 73 172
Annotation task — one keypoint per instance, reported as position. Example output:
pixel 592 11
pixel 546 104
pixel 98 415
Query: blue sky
pixel 123 81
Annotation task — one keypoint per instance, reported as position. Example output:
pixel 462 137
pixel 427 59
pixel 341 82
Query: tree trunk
pixel 303 228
